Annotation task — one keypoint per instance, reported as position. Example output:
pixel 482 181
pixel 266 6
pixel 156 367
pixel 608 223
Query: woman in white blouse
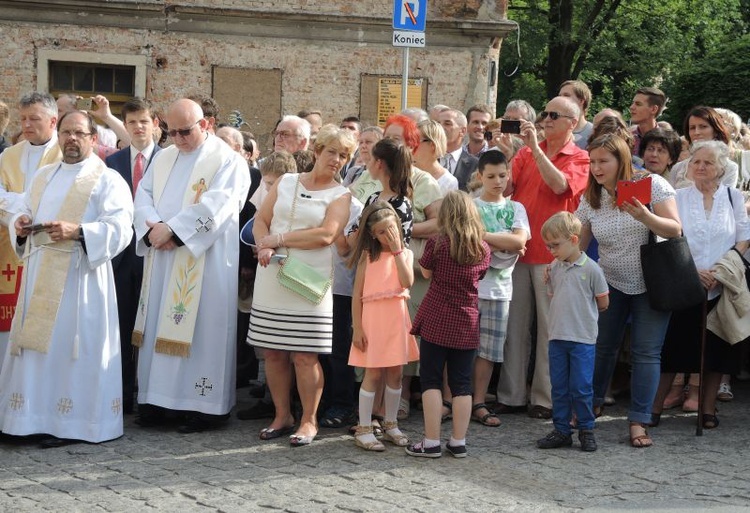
pixel 621 231
pixel 714 220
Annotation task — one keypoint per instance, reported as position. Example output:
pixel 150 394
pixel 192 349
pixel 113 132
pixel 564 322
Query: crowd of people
pixel 158 262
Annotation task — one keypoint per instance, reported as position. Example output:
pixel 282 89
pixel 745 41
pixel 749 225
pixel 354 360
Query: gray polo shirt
pixel 573 313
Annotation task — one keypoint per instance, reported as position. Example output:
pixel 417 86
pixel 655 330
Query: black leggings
pixel 433 358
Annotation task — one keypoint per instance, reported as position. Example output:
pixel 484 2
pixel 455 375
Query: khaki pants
pixel 529 298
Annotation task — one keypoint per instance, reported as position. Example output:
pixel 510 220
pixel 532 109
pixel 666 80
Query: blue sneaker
pixel 420 451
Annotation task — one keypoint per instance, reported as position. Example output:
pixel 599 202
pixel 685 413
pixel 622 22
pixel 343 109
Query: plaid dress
pixel 449 313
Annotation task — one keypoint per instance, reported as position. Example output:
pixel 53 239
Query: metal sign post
pixel 409 22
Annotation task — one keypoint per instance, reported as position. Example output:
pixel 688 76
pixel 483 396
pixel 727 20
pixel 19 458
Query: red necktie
pixel 137 171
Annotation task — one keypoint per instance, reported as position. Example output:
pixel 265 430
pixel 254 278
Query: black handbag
pixel 672 281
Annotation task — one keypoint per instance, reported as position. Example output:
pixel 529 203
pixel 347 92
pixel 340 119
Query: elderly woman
pixel 621 231
pixel 702 124
pixel 660 149
pixel 367 139
pixel 432 144
pixel 714 220
pixel 301 217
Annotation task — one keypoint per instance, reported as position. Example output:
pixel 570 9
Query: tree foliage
pixel 614 46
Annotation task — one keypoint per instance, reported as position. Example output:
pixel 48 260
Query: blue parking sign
pixel 410 15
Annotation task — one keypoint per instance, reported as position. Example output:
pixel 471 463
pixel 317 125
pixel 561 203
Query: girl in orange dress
pixel 381 342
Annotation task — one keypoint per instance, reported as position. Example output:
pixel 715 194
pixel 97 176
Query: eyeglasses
pixel 284 134
pixel 184 132
pixel 554 116
pixel 79 135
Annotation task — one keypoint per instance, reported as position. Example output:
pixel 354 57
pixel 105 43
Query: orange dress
pixel 385 318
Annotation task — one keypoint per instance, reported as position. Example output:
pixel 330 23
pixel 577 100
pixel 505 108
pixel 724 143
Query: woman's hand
pixel 359 340
pixel 394 239
pixel 264 256
pixel 707 279
pixel 269 242
pixel 636 209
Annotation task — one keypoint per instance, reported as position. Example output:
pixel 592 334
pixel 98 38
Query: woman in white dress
pixel 301 217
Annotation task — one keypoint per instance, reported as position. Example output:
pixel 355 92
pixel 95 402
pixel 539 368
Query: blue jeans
pixel 571 372
pixel 648 328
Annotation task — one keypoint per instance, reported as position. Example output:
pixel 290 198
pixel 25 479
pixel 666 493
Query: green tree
pixel 613 46
pixel 719 79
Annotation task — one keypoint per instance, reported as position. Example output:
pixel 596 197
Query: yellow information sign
pixel 389 97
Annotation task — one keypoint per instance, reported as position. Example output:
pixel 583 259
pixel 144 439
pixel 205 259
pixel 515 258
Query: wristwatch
pixel 80 237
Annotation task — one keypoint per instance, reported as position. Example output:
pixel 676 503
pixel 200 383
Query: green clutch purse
pixel 303 280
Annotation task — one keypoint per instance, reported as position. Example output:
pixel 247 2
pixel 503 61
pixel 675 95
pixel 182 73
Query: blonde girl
pixel 448 320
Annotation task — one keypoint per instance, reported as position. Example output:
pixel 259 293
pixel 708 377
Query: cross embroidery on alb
pixel 65 405
pixel 203 226
pixel 16 401
pixel 116 406
pixel 204 386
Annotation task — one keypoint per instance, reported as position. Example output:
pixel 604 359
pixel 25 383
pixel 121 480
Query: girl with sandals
pixel 381 288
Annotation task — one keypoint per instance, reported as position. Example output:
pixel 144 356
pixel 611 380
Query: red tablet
pixel 640 190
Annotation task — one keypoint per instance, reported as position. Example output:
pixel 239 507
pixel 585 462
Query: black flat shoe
pixel 270 433
pixel 199 423
pixel 709 421
pixel 54 442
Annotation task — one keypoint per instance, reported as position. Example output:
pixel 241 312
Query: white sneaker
pixel 725 393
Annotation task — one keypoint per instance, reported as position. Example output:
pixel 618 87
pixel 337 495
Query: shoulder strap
pixel 729 193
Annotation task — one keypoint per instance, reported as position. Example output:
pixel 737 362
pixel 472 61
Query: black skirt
pixel 682 345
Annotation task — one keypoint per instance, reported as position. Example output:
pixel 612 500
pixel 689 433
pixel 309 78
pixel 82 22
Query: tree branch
pixel 595 32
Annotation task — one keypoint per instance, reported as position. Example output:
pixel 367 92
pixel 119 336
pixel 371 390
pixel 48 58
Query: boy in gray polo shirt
pixel 579 292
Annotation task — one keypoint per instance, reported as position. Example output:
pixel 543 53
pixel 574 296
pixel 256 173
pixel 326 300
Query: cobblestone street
pixel 232 470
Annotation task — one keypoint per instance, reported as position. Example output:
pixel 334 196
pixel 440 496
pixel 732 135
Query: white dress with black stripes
pixel 280 319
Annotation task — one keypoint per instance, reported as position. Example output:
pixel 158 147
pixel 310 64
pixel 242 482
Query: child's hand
pixel 393 238
pixel 545 278
pixel 359 340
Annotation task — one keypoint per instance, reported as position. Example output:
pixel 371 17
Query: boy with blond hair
pixel 578 292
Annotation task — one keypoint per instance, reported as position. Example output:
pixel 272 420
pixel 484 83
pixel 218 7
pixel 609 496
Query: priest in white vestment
pixel 18 164
pixel 62 374
pixel 187 227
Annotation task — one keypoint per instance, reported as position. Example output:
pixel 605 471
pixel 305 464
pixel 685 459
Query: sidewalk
pixel 232 470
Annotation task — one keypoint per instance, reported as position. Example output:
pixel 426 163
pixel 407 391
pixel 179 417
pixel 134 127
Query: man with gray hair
pixel 18 164
pixel 292 134
pixel 519 109
pixel 459 162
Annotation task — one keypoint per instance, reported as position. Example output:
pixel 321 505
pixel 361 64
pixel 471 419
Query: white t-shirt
pixel 501 217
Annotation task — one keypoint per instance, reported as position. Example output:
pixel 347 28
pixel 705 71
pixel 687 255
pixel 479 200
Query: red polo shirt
pixel 530 190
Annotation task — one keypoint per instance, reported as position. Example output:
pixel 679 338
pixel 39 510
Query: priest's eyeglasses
pixel 78 134
pixel 184 132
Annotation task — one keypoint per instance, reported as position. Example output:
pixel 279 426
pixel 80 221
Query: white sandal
pixel 376 446
pixel 399 439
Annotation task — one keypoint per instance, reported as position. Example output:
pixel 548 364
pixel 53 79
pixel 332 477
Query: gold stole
pixel 12 178
pixel 54 261
pixel 178 310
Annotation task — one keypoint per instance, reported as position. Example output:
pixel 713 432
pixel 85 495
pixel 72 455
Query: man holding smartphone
pixel 548 177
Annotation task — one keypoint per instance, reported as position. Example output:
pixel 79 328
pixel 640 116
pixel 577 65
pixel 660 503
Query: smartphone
pixel 36 228
pixel 278 258
pixel 510 126
pixel 84 104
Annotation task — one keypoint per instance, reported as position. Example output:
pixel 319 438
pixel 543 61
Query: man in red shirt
pixel 547 177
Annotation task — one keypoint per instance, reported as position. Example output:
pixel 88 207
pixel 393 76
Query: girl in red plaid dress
pixel 381 342
pixel 448 320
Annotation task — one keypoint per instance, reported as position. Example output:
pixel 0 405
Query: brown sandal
pixel 640 441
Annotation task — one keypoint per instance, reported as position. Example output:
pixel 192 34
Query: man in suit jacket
pixel 457 160
pixel 132 162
